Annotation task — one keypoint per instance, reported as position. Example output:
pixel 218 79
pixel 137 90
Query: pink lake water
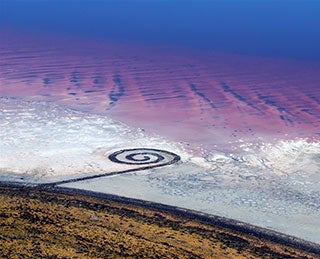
pixel 214 97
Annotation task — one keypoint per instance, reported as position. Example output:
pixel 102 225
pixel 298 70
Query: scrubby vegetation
pixel 39 224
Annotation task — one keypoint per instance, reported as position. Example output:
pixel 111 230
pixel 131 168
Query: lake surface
pixel 245 119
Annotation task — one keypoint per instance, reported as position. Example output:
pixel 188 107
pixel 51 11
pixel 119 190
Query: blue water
pixel 287 28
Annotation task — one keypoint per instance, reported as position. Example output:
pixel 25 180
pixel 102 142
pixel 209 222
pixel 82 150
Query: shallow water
pixel 247 127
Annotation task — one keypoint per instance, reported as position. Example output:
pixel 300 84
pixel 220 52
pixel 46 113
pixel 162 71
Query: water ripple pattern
pixel 216 98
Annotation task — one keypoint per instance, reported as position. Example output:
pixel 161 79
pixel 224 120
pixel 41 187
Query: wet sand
pixel 65 223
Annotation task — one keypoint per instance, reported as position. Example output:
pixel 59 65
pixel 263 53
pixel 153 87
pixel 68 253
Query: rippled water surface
pixel 247 127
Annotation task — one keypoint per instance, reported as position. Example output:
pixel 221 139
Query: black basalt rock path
pixel 148 157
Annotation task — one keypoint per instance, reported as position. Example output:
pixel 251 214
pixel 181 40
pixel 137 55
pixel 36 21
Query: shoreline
pixel 77 196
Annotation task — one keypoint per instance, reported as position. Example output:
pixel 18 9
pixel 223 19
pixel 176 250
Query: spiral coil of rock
pixel 144 156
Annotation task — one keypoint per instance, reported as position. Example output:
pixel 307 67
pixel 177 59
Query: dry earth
pixel 43 224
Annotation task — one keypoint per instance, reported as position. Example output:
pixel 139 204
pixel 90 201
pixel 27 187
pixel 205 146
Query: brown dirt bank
pixel 45 223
